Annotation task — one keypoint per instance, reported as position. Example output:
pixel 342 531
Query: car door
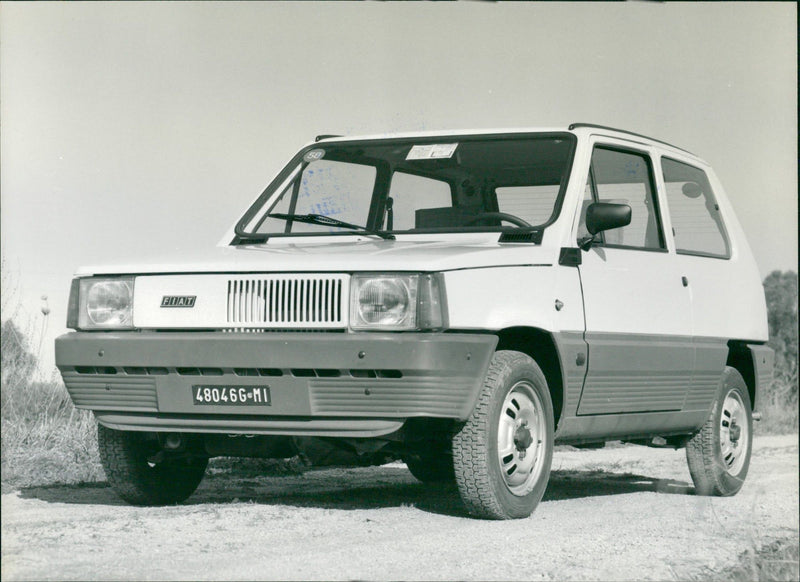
pixel 638 309
pixel 703 253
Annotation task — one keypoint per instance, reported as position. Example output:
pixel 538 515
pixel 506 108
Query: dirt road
pixel 625 513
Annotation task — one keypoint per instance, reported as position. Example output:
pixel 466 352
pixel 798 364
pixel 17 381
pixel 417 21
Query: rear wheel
pixel 502 454
pixel 126 459
pixel 719 455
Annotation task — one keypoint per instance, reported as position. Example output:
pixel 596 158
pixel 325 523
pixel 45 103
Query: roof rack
pixel 326 136
pixel 575 125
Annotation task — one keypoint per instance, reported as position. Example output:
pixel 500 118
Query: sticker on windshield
pixel 314 155
pixel 432 152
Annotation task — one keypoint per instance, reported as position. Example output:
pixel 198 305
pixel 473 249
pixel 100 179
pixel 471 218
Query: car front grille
pixel 288 300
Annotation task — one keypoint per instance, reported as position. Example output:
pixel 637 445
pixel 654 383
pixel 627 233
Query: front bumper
pixel 334 384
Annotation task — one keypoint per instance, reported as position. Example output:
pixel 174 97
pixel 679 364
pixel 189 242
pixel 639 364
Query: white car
pixel 460 300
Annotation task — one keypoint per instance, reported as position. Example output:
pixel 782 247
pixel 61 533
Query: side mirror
pixel 602 216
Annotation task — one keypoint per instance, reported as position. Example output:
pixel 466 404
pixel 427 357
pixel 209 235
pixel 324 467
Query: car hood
pixel 334 255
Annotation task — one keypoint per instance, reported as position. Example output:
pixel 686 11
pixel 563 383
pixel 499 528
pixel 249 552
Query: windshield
pixel 455 184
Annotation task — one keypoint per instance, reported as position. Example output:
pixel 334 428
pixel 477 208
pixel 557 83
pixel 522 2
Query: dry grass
pixel 776 562
pixel 45 439
pixel 779 407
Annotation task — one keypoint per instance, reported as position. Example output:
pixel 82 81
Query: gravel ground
pixel 625 513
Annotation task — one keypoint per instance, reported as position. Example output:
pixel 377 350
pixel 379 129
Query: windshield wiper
pixel 328 221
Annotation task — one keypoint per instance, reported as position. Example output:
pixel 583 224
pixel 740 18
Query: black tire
pixel 124 456
pixel 719 455
pixel 430 468
pixel 494 485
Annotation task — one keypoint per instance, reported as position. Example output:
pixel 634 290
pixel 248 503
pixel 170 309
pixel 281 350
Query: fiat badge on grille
pixel 178 300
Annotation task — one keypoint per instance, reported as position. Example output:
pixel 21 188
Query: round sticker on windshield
pixel 314 155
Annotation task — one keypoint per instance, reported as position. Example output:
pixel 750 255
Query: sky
pixel 145 128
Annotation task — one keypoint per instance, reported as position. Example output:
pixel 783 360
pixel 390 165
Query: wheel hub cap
pixel 520 435
pixel 733 432
pixel 523 438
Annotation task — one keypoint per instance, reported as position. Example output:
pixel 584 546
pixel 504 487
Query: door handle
pixel 685 281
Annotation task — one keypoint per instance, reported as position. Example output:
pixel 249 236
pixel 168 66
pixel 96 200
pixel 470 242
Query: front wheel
pixel 125 457
pixel 719 455
pixel 502 454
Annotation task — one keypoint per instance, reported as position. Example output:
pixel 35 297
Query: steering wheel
pixel 503 216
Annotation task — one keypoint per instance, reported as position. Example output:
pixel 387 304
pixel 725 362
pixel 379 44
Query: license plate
pixel 231 395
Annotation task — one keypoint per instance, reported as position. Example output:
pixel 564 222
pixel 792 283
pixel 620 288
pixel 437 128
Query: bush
pixel 18 362
pixel 780 398
pixel 45 439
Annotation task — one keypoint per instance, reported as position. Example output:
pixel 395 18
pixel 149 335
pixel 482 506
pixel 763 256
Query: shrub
pixel 18 362
pixel 780 398
pixel 45 439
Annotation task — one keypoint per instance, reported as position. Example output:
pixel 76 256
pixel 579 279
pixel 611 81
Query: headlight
pixel 397 302
pixel 105 303
pixel 386 302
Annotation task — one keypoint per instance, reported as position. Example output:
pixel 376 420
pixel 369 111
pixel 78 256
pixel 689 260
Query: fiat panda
pixel 460 300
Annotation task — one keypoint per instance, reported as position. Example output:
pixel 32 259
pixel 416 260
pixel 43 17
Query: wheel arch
pixel 755 362
pixel 541 346
pixel 739 357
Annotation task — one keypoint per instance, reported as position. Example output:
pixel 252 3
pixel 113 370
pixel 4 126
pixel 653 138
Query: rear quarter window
pixel 696 220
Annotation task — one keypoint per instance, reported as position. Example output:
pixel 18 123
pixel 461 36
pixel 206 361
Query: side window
pixel 411 193
pixel 624 177
pixel 696 221
pixel 531 203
